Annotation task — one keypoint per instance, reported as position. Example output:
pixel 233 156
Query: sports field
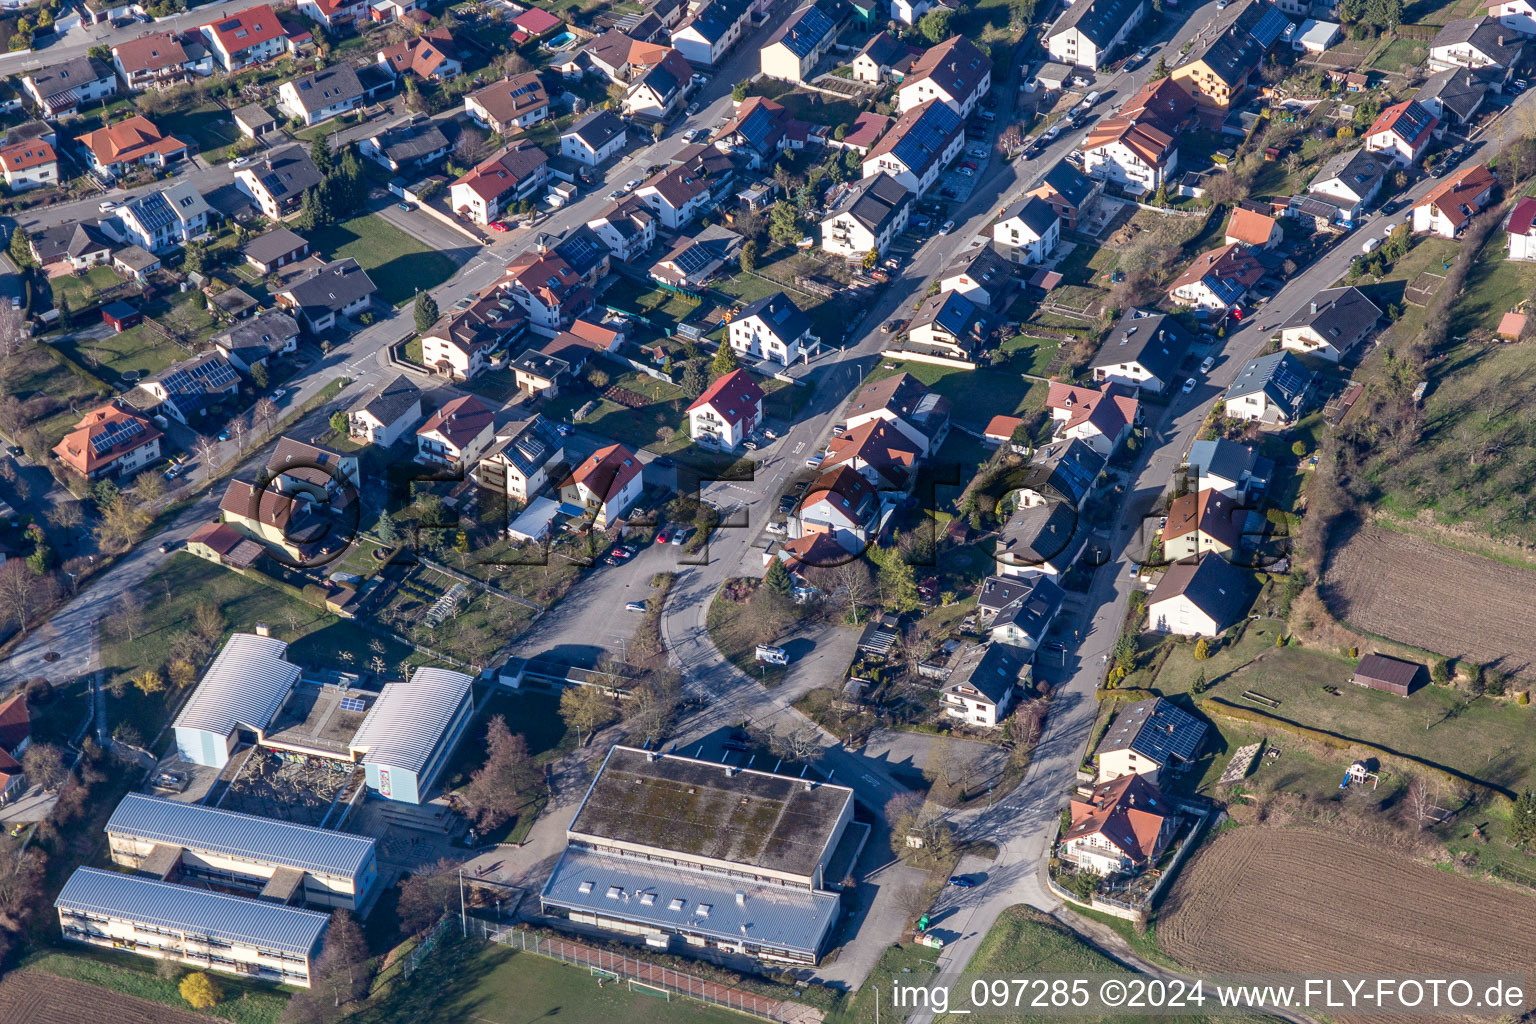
pixel 469 981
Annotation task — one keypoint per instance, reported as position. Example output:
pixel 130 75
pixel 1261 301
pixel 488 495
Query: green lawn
pixel 141 348
pixel 244 1002
pixel 82 289
pixel 1030 355
pixel 976 395
pixel 208 125
pixel 397 263
pixel 470 981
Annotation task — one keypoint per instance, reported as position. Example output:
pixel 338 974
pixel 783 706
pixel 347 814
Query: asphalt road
pixel 78 41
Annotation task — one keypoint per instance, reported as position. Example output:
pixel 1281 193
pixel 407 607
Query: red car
pixel 498 225
pixel 661 536
pixel 969 165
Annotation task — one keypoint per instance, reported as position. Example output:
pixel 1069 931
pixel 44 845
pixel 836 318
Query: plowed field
pixel 32 997
pixel 1447 601
pixel 1302 900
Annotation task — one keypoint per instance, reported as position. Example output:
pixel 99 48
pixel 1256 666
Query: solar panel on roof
pixel 1269 27
pixel 693 259
pixel 115 434
pixel 353 704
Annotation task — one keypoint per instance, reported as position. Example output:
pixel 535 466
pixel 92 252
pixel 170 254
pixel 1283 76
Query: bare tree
pixel 206 447
pixel 798 745
pixel 44 765
pixel 469 147
pixel 66 515
pixel 129 616
pixel 237 428
pixel 494 793
pixel 265 413
pixel 856 585
pixel 14 333
pixel 943 764
pixel 1421 800
pixel 21 592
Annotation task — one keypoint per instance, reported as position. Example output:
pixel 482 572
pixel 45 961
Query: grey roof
pixel 272 245
pixel 528 447
pixel 260 336
pixel 983 265
pixel 1157 729
pixel 391 401
pixel 714 20
pixel 1214 585
pixel 245 685
pixel 1339 315
pixel 670 898
pixel 990 669
pixel 1459 90
pixel 332 287
pixel 1228 460
pixel 1356 168
pixel 952 313
pixel 781 315
pixel 412 143
pixel 597 129
pixel 1487 34
pixel 409 719
pixel 875 201
pixel 1027 603
pixel 1234 53
pixel 267 840
pixel 682 805
pixel 254 115
pixel 55 80
pixel 1066 471
pixel 1156 341
pixel 1044 536
pixel 1035 213
pixel 200 912
pixel 327 87
pixel 1099 20
pixel 286 172
pixel 1280 375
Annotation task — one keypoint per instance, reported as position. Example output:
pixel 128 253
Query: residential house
pixel 1217 280
pixel 1446 208
pixel 68 248
pixel 1271 389
pixel 761 129
pixel 1122 828
pixel 709 31
pixel 772 329
pixel 1040 538
pixel 532 22
pixel 1138 155
pixel 700 177
pixel 1018 610
pixel 595 139
pixel 1087 31
pixel 1146 739
pixel 518 463
pixel 407 148
pixel 513 173
pixel 1100 419
pixel 321 95
pixel 62 88
pixel 110 441
pixel 296 467
pixel 1402 131
pixel 918 146
pixel 1028 231
pixel 222 544
pixel 910 12
pixel 660 90
pixel 336 17
pixel 1351 180
pixel 984 681
pixel 1143 350
pixel 883 58
pixel 255 121
pixel 801 40
pixel 727 413
pixel 950 325
pixel 1228 467
pixel 1331 325
pixel 981 275
pixel 1216 73
pixel 248 344
pixel 1253 229
pixel 455 435
pixel 158 60
pixel 905 403
pixel 1454 95
pixel 119 148
pixel 1315 36
pixel 1203 522
pixel 552 293
pixel 1521 227
pixel 1070 194
pixel 842 506
pixel 245 38
pixel 383 415
pixel 607 483
pixel 880 451
pixel 615 55
pixel 163 219
pixel 516 102
pixel 868 128
pixel 275 249
pixel 467 342
pixel 1519 15
pixel 432 56
pixel 867 217
pixel 694 262
pixel 15 737
pixel 327 294
pixel 1476 43
pixel 293 529
pixel 627 229
pixel 184 391
pixel 1202 596
pixel 955 73
pixel 278 182
pixel 28 164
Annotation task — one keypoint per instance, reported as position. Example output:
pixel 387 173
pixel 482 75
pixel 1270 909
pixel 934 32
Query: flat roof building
pixel 196 927
pixel 727 858
pixel 274 860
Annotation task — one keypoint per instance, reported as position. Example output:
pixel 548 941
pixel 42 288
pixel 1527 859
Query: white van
pixel 772 655
pixel 1370 246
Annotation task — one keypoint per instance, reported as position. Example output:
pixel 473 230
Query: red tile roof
pixel 151 53
pixel 23 156
pixel 1002 427
pixel 735 397
pixel 1210 512
pixel 536 22
pixel 1250 227
pixel 459 422
pixel 1109 412
pixel 1523 217
pixel 129 141
pixel 78 449
pixel 15 722
pixel 607 471
pixel 1460 197
pixel 247 28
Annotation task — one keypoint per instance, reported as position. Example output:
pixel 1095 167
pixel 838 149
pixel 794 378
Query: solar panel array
pixel 353 704
pixel 694 259
pixel 757 127
pixel 927 136
pixel 153 212
pixel 810 29
pixel 115 434
pixel 579 250
pixel 1269 27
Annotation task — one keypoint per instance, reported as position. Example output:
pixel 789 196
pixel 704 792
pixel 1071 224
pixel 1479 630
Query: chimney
pixel 1314 307
pixel 741 898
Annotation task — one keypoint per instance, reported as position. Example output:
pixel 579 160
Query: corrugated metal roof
pixel 408 719
pixel 197 911
pixel 670 898
pixel 245 685
pixel 209 828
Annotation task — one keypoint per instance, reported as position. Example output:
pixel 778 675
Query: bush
pixel 200 991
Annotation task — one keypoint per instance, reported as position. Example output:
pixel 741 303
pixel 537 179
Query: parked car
pixel 661 536
pixel 224 434
pixel 961 882
pixel 693 108
pixel 749 444
pixel 1134 571
pixel 106 206
pixel 632 184
pixel 678 536
pixel 1205 367
pixel 635 606
pixel 777 528
pixel 498 225
pixel 947 227
pixel 839 429
pixel 564 429
pixel 239 162
pixel 1189 385
pixel 406 207
pixel 814 462
pixel 616 195
pixel 16 451
pixel 279 394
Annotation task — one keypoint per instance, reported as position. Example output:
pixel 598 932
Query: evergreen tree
pixel 66 318
pixel 311 213
pixel 725 360
pixel 387 531
pixel 898 583
pixel 1202 649
pixel 21 248
pixel 693 379
pixel 320 155
pixel 776 580
pixel 426 312
pixel 749 255
pixel 1522 820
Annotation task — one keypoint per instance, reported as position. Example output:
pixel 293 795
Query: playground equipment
pixel 1359 774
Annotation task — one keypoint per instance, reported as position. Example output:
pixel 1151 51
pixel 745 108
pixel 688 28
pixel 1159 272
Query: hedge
pixel 79 371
